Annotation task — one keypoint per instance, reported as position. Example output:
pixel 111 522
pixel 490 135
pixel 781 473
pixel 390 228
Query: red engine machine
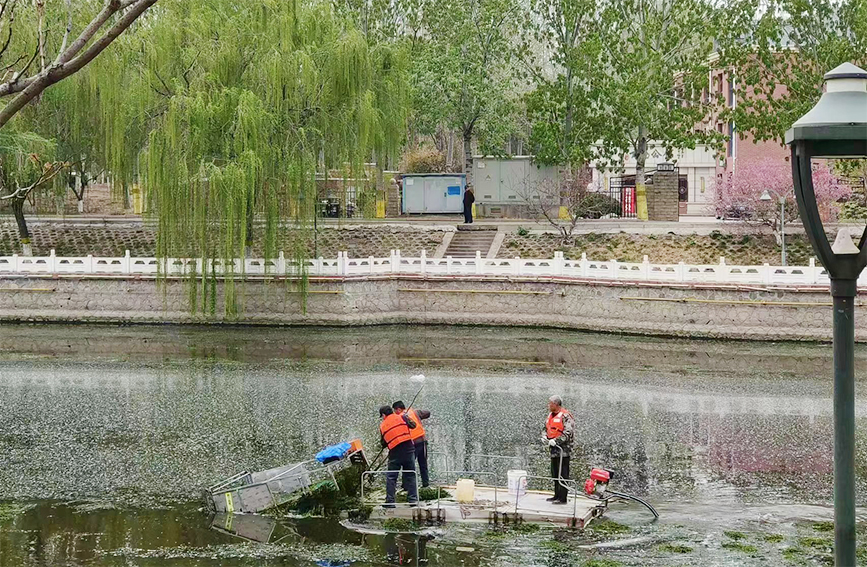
pixel 597 484
pixel 597 487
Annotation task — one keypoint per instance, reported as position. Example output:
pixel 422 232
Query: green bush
pixel 596 205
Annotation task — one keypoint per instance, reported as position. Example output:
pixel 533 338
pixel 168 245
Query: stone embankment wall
pixel 622 307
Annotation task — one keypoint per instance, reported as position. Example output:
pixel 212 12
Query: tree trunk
pixel 79 192
pixel 640 187
pixel 126 197
pixel 248 239
pixel 23 233
pixel 468 156
pixel 567 125
pixel 450 154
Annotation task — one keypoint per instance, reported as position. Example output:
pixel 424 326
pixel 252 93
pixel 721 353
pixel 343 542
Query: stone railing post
pixel 585 266
pixel 479 266
pixel 126 263
pixel 88 266
pixel 558 263
pixel 680 272
pixel 397 261
pixel 766 273
pixel 645 268
pixel 52 261
pixel 424 262
pixel 615 269
pixel 814 271
pixel 281 263
pixel 448 264
pixel 516 267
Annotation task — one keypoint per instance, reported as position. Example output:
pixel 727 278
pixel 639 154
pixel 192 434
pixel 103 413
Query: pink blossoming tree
pixel 740 194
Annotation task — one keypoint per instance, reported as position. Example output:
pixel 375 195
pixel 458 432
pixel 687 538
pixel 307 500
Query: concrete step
pixel 466 242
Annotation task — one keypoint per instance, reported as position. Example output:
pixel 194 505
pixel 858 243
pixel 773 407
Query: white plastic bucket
pixel 466 490
pixel 517 482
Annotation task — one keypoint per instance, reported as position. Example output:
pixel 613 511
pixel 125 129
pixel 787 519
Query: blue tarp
pixel 333 452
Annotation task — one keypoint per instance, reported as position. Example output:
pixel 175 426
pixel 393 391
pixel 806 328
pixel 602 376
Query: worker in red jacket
pixel 395 431
pixel 559 433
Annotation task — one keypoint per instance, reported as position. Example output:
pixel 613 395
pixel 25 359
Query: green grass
pixel 816 543
pixel 737 536
pixel 607 527
pixel 674 548
pixel 602 563
pixel 556 546
pixel 525 528
pixel 742 547
pixel 772 538
pixel 823 526
pixel 398 525
pixel 793 554
pixel 8 512
pixel 430 493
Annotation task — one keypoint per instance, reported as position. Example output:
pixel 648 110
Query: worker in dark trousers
pixel 418 437
pixel 559 433
pixel 395 431
pixel 469 199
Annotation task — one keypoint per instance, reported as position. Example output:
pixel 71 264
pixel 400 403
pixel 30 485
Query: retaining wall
pixel 620 307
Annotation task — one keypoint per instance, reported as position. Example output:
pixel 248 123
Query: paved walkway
pixel 686 225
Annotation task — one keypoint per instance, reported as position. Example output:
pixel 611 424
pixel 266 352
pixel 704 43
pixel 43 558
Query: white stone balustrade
pixel 343 265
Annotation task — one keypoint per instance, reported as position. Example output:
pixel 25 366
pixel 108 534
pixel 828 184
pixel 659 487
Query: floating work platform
pixel 495 505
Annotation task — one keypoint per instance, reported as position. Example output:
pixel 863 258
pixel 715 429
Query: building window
pixel 731 144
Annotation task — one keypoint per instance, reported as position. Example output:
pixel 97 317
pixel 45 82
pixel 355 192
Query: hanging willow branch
pixel 70 59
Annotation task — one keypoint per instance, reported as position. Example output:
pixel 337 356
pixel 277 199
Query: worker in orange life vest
pixel 418 437
pixel 395 431
pixel 559 432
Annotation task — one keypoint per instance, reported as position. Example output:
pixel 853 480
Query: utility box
pixel 504 187
pixel 433 193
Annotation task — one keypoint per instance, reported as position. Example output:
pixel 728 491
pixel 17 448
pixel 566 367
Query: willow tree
pixel 34 55
pixel 239 105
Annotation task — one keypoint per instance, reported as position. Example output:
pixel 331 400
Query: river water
pixel 107 435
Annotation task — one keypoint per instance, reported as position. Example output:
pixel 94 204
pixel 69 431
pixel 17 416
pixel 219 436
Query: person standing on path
pixel 395 431
pixel 469 199
pixel 559 433
pixel 418 437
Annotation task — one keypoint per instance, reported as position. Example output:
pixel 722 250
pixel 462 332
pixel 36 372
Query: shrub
pixel 597 205
pixel 424 160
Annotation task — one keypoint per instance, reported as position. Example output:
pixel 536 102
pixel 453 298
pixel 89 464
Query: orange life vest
pixel 418 432
pixel 554 427
pixel 394 430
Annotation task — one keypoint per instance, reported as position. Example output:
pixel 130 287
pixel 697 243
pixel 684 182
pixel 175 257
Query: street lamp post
pixel 837 128
pixel 766 196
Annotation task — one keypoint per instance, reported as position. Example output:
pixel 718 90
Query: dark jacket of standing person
pixel 469 199
pixel 418 438
pixel 395 434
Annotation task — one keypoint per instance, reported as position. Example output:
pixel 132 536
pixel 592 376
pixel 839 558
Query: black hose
pixel 636 499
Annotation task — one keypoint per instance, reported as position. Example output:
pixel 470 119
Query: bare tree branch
pixel 69 64
pixel 68 30
pixel 11 7
pixel 49 172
